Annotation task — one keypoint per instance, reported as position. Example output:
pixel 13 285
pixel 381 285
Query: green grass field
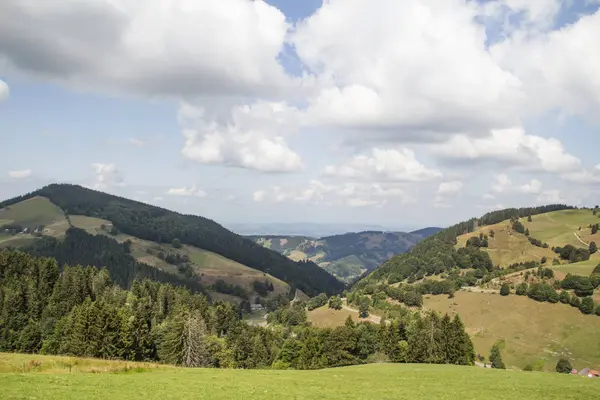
pixel 557 228
pixel 33 212
pixel 375 381
pixel 584 268
pixel 532 331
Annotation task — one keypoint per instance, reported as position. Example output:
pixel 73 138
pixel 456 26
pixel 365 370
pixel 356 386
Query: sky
pixel 397 113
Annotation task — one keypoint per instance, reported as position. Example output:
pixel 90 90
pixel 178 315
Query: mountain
pixel 426 232
pixel 313 230
pixel 345 256
pixel 185 247
pixel 519 278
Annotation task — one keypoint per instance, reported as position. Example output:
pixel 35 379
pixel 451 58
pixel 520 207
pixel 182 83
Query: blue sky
pixel 402 114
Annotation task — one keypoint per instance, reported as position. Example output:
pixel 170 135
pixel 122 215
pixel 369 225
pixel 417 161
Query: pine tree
pixel 194 352
pixel 593 247
pixel 496 358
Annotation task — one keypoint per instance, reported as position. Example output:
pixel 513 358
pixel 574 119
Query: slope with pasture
pixel 91 209
pixel 530 332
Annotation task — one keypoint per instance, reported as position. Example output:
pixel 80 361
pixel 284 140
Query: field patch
pixel 507 246
pixel 583 268
pixel 32 213
pixel 532 331
pixel 557 228
pixel 363 382
pixel 325 317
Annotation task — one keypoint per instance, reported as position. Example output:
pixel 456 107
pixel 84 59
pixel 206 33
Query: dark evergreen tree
pixel 563 366
pixel 496 358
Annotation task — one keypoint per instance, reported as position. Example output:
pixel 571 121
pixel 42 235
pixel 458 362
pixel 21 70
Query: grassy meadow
pixel 531 332
pixel 557 228
pixel 508 247
pixel 325 317
pixel 374 381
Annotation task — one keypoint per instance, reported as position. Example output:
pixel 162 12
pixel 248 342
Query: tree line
pixel 80 311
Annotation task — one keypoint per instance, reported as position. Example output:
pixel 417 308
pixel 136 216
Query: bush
pixel 587 306
pixel 505 289
pixel 521 289
pixel 316 302
pixel 176 243
pixel 563 366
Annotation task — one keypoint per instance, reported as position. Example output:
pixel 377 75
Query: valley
pixel 346 256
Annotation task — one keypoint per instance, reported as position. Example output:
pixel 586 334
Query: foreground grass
pixel 531 332
pixel 376 381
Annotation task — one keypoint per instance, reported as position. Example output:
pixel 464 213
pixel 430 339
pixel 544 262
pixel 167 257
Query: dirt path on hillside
pixel 373 318
pixel 578 238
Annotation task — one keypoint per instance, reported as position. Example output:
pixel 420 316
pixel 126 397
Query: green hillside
pixel 377 381
pixel 161 226
pixel 345 256
pixel 538 258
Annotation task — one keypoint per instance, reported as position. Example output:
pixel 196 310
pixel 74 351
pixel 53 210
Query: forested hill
pixel 437 253
pixel 160 225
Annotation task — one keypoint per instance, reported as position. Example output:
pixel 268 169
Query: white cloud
pixel 557 70
pixel 446 188
pixel 137 142
pixel 502 183
pixel 488 196
pixel 107 175
pixel 20 174
pixel 511 148
pixel 352 194
pixel 154 47
pixel 585 176
pixel 385 165
pixel 259 196
pixel 551 196
pixel 186 192
pixel 413 69
pixel 244 136
pixel 533 187
pixel 4 91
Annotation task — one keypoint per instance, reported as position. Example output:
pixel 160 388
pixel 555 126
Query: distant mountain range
pixel 348 255
pixel 313 230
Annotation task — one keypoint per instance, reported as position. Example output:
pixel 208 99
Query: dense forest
pixel 79 311
pixel 437 253
pixel 163 226
pixel 80 248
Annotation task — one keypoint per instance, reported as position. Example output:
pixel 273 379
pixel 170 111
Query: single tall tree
pixel 496 358
pixel 593 247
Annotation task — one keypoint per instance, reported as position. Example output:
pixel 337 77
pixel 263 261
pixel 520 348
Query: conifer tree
pixel 496 358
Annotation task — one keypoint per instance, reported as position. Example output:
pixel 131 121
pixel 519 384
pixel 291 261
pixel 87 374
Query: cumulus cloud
pixel 551 196
pixel 20 174
pixel 533 187
pixel 512 148
pixel 410 68
pixel 453 187
pixel 154 47
pixel 186 192
pixel 4 91
pixel 107 175
pixel 585 176
pixel 385 165
pixel 353 194
pixel 556 71
pixel 247 136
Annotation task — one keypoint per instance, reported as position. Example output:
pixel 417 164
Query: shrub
pixel 505 290
pixel 563 366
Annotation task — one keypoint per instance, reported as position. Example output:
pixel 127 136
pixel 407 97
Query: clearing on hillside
pixel 363 382
pixel 557 228
pixel 325 317
pixel 507 246
pixel 32 213
pixel 583 268
pixel 531 331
